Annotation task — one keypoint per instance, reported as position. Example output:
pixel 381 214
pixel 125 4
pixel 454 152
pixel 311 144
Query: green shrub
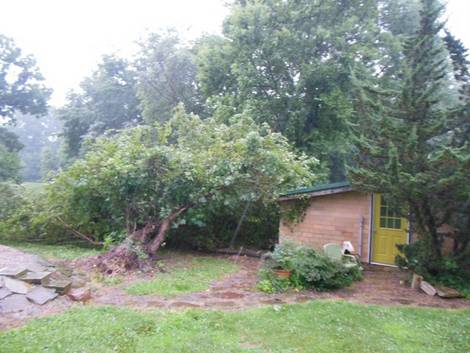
pixel 270 283
pixel 26 216
pixel 214 227
pixel 285 255
pixel 449 271
pixel 309 270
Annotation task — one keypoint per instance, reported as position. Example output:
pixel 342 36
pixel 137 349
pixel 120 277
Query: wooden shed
pixel 336 213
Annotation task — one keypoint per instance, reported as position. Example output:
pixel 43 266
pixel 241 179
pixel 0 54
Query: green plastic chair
pixel 334 252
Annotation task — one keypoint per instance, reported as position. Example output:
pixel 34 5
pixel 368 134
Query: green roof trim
pixel 320 187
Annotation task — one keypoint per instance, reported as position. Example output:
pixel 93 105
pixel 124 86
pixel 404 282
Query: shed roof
pixel 320 189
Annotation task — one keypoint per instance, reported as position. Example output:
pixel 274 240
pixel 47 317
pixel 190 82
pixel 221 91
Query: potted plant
pixel 282 257
pixel 282 273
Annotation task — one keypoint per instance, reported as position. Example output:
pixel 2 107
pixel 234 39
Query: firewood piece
pixel 427 288
pixel 416 281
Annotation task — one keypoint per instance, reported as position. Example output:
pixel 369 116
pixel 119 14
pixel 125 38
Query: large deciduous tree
pixel 148 179
pixel 289 62
pixel 21 84
pixel 167 77
pixel 21 89
pixel 107 101
pixel 407 146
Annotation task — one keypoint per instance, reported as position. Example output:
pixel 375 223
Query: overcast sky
pixel 68 37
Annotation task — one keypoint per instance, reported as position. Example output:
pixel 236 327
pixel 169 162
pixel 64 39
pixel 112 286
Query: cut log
pixel 241 252
pixel 416 281
pixel 427 288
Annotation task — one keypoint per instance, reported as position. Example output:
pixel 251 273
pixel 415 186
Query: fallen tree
pixel 132 188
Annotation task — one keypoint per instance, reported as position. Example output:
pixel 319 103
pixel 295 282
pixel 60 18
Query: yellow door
pixel 389 230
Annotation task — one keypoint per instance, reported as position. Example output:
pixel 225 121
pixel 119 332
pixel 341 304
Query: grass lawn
pixel 320 326
pixel 52 251
pixel 195 276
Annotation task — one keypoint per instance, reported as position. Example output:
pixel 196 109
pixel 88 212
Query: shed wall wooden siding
pixel 332 219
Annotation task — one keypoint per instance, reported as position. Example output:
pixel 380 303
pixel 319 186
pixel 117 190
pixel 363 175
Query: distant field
pixel 33 187
pixel 29 188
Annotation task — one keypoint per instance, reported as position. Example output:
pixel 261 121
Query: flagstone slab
pixel 13 271
pixel 35 277
pixel 41 295
pixel 62 286
pixel 4 292
pixel 14 303
pixel 16 286
pixel 79 294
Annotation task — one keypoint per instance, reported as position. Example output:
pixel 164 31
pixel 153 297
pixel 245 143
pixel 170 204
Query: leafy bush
pixel 285 256
pixel 24 215
pixel 144 181
pixel 309 270
pixel 215 227
pixel 270 283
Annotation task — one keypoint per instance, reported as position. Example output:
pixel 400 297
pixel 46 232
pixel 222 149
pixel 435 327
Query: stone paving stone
pixel 62 286
pixel 4 292
pixel 41 295
pixel 35 277
pixel 16 286
pixel 13 271
pixel 14 303
pixel 79 294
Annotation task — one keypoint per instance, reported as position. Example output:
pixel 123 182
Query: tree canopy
pixel 21 84
pixel 167 77
pixel 147 178
pixel 289 64
pixel 107 101
pixel 21 90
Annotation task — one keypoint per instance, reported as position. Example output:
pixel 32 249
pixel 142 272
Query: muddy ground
pixel 237 291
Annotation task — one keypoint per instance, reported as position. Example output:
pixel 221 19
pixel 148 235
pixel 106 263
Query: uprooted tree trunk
pixel 140 247
pixel 163 229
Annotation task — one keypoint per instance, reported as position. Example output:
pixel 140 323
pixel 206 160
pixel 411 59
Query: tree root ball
pixel 121 259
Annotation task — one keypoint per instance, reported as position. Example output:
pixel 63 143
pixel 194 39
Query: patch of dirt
pixel 237 291
pixel 381 286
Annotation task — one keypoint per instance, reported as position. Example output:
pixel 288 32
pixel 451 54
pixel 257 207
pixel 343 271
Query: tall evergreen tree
pixel 461 70
pixel 405 148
